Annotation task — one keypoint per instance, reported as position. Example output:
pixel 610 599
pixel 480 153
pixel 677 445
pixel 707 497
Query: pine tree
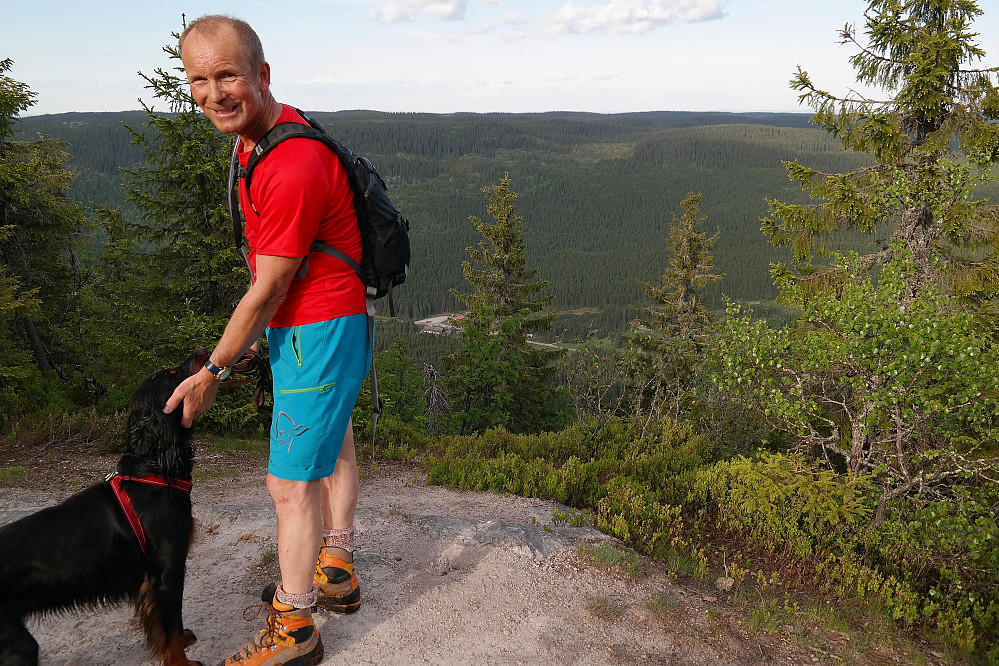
pixel 887 378
pixel 918 190
pixel 15 362
pixel 181 196
pixel 498 379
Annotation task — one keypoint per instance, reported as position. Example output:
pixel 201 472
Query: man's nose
pixel 217 91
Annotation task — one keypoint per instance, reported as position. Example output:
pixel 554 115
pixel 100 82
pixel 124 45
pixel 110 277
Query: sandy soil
pixel 448 577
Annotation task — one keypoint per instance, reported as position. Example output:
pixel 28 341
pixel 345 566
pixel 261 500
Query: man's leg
pixel 297 504
pixel 339 492
pixel 290 636
pixel 339 590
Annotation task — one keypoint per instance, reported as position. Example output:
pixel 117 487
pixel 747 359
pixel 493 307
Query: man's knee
pixel 285 491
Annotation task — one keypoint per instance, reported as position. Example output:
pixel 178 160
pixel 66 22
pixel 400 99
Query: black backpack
pixel 385 249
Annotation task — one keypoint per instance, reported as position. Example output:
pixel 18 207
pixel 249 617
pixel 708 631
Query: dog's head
pixel 159 438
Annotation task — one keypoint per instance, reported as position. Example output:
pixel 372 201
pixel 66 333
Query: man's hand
pixel 247 323
pixel 197 392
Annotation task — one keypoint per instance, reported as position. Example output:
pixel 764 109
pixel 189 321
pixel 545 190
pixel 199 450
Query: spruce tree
pixel 663 352
pixel 918 189
pixel 172 269
pixel 888 372
pixel 498 379
pixel 500 276
pixel 887 377
pixel 39 225
pixel 677 303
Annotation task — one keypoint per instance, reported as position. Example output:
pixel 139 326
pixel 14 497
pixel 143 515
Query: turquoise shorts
pixel 318 370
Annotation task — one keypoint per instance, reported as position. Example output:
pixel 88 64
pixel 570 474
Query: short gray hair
pixel 211 24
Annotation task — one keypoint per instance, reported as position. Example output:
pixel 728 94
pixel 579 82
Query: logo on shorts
pixel 287 430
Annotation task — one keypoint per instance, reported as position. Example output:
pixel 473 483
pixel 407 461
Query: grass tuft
pixel 608 556
pixel 603 607
pixel 12 474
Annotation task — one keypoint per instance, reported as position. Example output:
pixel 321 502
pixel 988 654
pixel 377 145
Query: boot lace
pixel 266 639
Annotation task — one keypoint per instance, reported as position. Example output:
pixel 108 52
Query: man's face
pixel 224 85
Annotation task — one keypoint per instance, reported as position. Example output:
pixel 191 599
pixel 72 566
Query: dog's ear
pixel 153 435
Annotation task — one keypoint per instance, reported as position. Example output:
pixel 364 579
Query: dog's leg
pixel 175 655
pixel 17 646
pixel 159 608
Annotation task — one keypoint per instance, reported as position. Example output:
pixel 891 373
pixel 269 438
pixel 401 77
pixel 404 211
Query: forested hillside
pixel 596 191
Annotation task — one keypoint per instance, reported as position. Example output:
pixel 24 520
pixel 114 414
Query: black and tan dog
pixel 126 538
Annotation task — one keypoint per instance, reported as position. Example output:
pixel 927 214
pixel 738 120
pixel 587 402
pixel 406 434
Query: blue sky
pixel 445 56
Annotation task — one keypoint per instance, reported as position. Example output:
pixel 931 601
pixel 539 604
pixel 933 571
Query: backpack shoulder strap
pixel 275 136
pixel 292 130
pixel 236 171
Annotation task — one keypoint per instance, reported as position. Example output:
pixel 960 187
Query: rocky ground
pixel 448 577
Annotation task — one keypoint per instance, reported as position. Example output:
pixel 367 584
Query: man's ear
pixel 265 76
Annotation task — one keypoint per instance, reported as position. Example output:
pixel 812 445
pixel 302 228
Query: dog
pixel 87 552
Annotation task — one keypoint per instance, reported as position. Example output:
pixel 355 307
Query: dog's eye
pixel 173 372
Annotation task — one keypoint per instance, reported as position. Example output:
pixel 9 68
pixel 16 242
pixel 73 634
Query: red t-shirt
pixel 301 192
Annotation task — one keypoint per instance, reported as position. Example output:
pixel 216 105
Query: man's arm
pixel 247 324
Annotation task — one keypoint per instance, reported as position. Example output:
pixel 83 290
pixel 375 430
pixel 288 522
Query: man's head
pixel 230 80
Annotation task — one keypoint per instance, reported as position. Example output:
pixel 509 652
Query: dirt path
pixel 448 577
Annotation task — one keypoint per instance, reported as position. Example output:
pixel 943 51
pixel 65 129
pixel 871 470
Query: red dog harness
pixel 125 501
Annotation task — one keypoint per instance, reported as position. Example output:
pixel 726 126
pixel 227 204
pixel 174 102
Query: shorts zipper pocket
pixel 321 389
pixel 296 344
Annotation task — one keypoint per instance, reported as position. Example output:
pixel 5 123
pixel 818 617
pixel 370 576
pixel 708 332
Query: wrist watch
pixel 220 373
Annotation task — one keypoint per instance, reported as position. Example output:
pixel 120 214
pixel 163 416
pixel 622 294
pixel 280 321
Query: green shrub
pixel 631 512
pixel 660 486
pixel 394 439
pixel 935 564
pixel 782 503
pixel 26 393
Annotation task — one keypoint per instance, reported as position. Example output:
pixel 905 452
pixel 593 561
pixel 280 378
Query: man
pixel 316 331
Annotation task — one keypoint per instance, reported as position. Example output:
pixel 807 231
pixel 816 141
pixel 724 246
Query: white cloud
pixel 633 16
pixel 511 22
pixel 606 16
pixel 409 10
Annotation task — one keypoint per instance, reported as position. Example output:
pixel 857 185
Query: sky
pixel 445 56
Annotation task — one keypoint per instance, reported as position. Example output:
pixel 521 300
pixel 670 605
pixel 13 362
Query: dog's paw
pixel 189 639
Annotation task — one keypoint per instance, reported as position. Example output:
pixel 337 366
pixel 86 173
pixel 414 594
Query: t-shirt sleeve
pixel 293 192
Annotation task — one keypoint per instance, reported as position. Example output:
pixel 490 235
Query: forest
pixel 596 191
pixel 759 348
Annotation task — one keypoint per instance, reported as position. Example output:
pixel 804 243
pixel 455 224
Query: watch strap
pixel 220 373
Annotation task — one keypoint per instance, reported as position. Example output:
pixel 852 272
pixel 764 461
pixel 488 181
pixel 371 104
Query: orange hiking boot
pixel 289 640
pixel 339 591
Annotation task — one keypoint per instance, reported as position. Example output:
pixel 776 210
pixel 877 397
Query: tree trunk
pixel 37 348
